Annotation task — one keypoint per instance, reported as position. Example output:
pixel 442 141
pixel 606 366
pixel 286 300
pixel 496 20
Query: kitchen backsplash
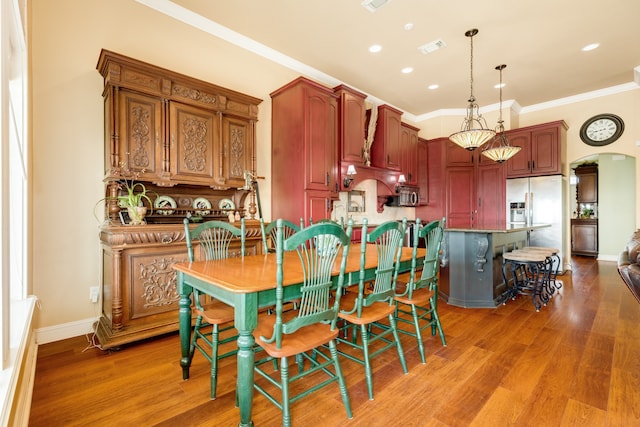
pixel 369 186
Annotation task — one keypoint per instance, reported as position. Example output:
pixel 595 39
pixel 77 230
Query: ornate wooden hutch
pixel 192 144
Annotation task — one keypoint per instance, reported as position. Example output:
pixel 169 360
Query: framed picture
pixel 124 217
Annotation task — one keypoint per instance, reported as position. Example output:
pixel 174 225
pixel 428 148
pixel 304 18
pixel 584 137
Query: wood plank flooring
pixel 575 363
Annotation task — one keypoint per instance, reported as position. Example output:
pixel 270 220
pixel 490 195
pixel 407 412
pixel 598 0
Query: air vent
pixel 373 5
pixel 432 46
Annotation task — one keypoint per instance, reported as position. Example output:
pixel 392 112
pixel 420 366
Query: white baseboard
pixel 605 257
pixel 66 330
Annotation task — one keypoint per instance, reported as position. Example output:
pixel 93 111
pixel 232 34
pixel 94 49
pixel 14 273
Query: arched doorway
pixel 616 201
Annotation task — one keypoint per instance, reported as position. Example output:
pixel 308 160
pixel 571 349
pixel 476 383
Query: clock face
pixel 602 129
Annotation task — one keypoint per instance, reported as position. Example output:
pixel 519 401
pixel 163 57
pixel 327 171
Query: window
pixel 13 171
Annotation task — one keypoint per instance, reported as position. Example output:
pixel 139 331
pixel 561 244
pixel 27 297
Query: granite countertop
pixel 498 228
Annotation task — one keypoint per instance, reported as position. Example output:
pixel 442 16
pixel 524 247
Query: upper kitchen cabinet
pixel 351 121
pixel 171 129
pixel 458 156
pixel 409 153
pixel 543 150
pixel 304 150
pixel 385 150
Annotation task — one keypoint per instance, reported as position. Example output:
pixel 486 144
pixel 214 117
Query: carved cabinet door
pixel 140 135
pixel 192 132
pixel 235 153
pixel 149 283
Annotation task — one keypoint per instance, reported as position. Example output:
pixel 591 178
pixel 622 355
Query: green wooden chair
pixel 269 233
pixel 327 220
pixel 417 291
pixel 214 239
pixel 366 308
pixel 303 333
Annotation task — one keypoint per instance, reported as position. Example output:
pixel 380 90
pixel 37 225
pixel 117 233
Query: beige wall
pixel 67 156
pixel 67 135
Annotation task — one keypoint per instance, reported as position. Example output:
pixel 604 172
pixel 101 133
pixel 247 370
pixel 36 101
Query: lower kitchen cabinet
pixel 584 237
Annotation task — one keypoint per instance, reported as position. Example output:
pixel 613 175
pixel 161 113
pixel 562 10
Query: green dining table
pixel 248 284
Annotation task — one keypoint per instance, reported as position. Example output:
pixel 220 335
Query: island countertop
pixel 498 228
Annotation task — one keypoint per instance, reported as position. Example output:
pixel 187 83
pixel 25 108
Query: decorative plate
pixel 201 203
pixel 165 205
pixel 226 205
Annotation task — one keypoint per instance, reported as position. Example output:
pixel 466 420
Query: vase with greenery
pixel 131 196
pixel 133 200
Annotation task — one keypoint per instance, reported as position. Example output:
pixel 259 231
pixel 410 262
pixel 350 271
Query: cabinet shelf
pixel 194 215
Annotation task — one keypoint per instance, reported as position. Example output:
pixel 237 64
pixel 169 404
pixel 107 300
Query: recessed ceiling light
pixel 375 48
pixel 432 87
pixel 499 85
pixel 408 26
pixel 407 70
pixel 591 46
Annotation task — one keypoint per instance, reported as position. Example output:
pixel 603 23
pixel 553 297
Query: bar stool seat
pixel 553 254
pixel 531 270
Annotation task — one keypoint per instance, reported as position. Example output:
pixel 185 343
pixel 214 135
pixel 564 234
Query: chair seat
pixel 419 297
pixel 403 279
pixel 216 312
pixel 303 340
pixel 372 313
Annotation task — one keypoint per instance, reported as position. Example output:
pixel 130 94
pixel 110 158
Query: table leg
pixel 246 318
pixel 184 315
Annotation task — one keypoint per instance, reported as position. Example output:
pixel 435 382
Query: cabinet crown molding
pixel 122 71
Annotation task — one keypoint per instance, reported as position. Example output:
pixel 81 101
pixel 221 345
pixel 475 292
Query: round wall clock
pixel 601 130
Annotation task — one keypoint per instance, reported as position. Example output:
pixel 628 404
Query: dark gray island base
pixel 472 274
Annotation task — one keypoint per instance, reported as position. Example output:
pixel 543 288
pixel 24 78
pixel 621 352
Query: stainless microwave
pixel 405 196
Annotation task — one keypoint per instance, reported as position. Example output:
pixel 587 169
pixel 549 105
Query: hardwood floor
pixel 575 363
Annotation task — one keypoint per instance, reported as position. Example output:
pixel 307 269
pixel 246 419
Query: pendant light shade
pixel 474 130
pixel 500 150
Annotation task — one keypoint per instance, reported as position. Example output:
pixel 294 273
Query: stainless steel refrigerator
pixel 543 198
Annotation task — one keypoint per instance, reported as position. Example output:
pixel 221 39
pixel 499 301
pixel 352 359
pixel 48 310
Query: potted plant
pixel 131 196
pixel 133 200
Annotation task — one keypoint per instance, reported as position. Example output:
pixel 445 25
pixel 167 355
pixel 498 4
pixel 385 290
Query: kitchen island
pixel 472 258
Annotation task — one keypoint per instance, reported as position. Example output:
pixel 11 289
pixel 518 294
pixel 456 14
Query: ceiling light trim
pixel 432 46
pixel 373 5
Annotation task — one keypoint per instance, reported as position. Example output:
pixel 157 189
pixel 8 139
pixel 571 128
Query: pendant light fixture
pixel 500 150
pixel 474 131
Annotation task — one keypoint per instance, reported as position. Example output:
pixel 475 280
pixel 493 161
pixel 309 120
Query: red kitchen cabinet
pixel 385 151
pixel 543 150
pixel 409 153
pixel 474 186
pixel 304 151
pixel 351 121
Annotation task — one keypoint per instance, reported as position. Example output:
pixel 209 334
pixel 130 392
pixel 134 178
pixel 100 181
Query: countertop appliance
pixel 543 203
pixel 406 195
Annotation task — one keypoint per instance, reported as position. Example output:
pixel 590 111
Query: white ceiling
pixel 539 41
